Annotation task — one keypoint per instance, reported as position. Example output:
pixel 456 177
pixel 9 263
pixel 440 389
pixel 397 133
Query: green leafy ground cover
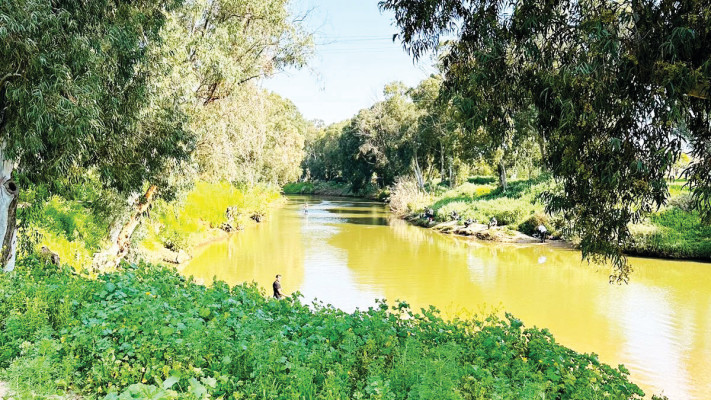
pixel 147 332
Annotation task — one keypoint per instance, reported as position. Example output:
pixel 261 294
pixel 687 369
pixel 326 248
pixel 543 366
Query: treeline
pixel 605 96
pixel 416 131
pixel 140 97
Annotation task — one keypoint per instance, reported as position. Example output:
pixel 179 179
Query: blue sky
pixel 355 57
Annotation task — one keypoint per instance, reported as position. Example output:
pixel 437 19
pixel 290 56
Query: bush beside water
pixel 672 233
pixel 146 331
pixel 318 188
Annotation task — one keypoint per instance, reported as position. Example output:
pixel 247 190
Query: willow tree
pixel 613 83
pixel 74 96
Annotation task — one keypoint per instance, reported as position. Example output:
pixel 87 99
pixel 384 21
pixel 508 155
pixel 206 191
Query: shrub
pixel 69 228
pixel 684 202
pixel 530 225
pixel 298 188
pixel 146 331
pixel 406 197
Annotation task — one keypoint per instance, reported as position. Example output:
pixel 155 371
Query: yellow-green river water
pixel 349 252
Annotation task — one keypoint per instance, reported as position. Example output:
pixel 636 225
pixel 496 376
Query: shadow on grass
pixel 516 189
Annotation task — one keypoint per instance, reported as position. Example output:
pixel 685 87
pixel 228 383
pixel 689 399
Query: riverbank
pixel 209 212
pixel 148 331
pixel 480 231
pixel 675 231
pixel 333 189
pixel 79 224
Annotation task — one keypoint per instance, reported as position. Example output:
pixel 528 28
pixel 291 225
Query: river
pixel 348 252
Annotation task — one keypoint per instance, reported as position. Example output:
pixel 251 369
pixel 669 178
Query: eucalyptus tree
pixel 74 96
pixel 259 137
pixel 218 48
pixel 438 139
pixel 612 83
pixel 378 142
pixel 322 159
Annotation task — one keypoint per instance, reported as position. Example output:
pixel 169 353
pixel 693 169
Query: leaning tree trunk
pixel 8 213
pixel 121 243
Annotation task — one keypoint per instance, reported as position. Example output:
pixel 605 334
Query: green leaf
pixel 168 383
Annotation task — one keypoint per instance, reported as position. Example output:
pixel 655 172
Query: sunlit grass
pixel 675 231
pixel 184 223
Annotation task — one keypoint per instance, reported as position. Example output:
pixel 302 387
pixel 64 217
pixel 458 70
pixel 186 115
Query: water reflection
pixel 347 253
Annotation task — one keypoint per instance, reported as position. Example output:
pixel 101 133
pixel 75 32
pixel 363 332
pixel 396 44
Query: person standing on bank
pixel 277 288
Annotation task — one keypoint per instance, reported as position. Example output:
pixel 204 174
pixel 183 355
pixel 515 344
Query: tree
pixel 439 135
pixel 322 160
pixel 217 49
pixel 611 83
pixel 73 96
pixel 378 141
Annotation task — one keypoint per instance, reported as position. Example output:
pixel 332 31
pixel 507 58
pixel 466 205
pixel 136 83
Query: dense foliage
pixel 413 131
pixel 74 90
pixel 617 90
pixel 148 332
pixel 215 52
pixel 203 213
pixel 137 97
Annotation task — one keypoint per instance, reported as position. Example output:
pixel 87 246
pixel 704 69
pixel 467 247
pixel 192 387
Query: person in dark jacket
pixel 278 294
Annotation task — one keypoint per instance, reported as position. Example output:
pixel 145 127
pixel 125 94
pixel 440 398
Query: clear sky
pixel 355 57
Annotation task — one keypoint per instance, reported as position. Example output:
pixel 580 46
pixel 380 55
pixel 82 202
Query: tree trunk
pixel 121 244
pixel 542 146
pixel 124 237
pixel 442 163
pixel 8 213
pixel 418 174
pixel 452 182
pixel 430 165
pixel 502 175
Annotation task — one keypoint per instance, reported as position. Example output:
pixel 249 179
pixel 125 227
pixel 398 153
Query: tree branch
pixel 9 75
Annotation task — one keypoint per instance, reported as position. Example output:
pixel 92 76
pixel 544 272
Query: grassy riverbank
pixel 77 224
pixel 674 231
pixel 209 210
pixel 148 332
